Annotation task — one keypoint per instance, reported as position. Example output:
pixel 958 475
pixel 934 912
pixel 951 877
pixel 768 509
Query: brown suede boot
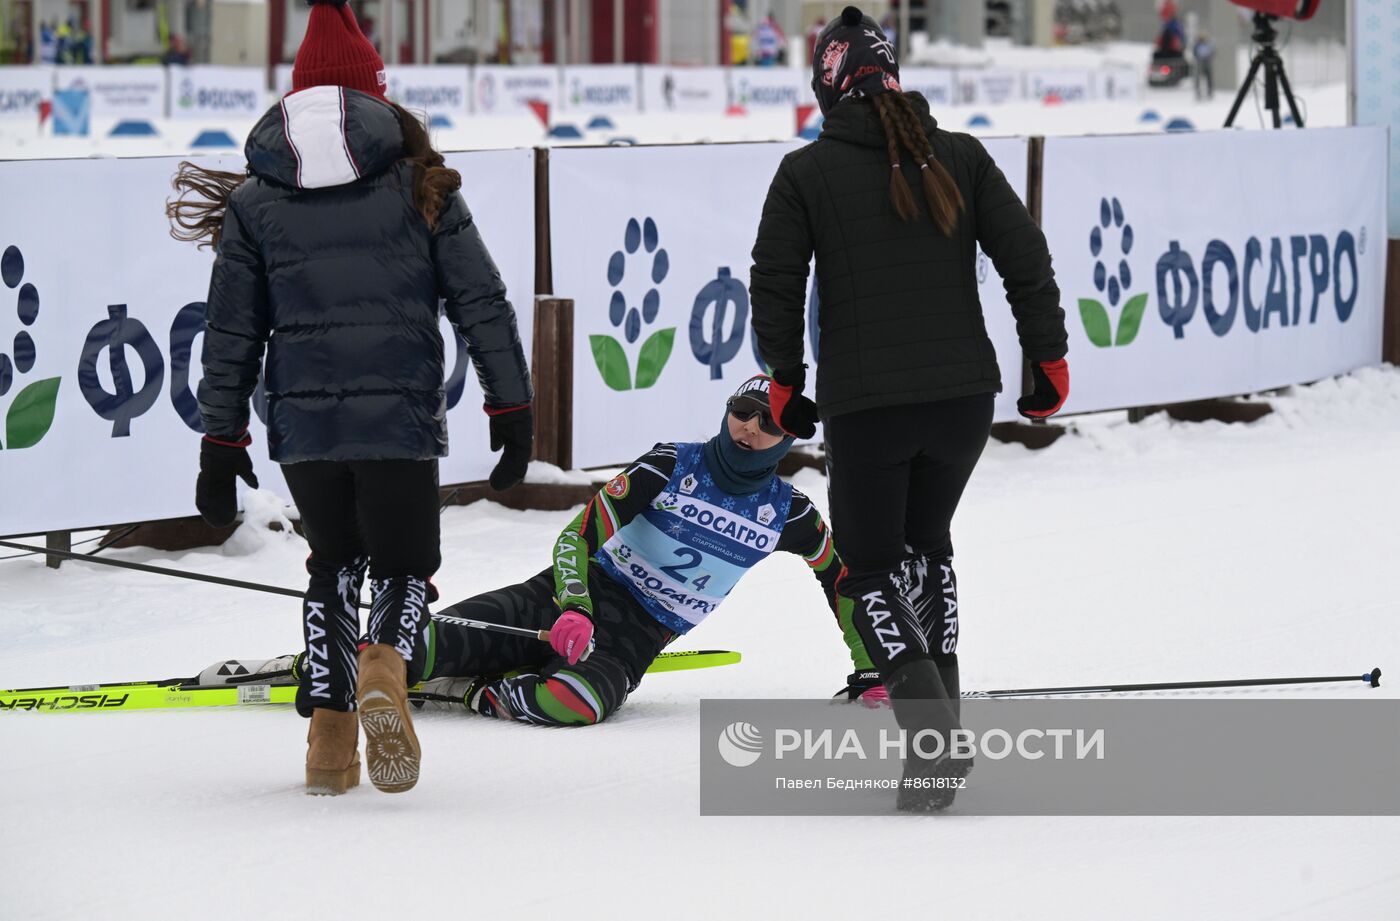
pixel 332 761
pixel 391 747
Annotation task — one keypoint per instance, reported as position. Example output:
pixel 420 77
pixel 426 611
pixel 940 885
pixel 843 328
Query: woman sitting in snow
pixel 650 557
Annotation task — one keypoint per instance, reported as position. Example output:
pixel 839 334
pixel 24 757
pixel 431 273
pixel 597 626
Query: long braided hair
pixel 904 130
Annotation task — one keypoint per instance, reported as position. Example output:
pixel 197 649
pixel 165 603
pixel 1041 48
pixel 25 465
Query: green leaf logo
pixel 1096 322
pixel 1131 320
pixel 31 414
pixel 612 362
pixel 655 352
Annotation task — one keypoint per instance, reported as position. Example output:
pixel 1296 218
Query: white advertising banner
pixel 1066 85
pixel 659 277
pixel 438 89
pixel 684 89
pixel 99 370
pixel 118 91
pixel 990 87
pixel 1242 261
pixel 938 85
pixel 499 89
pixel 600 89
pixel 770 87
pixel 217 92
pixel 23 88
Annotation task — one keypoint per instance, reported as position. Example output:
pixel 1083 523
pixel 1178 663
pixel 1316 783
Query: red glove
pixel 794 413
pixel 1050 389
pixel 572 636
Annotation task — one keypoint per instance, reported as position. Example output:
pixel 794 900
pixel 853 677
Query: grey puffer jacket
pixel 325 261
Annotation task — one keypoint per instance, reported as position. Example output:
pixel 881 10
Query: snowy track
pixel 1125 553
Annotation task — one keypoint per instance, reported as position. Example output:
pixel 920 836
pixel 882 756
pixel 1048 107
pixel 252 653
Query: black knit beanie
pixel 853 58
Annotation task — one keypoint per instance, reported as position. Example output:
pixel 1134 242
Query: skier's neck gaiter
pixel 737 471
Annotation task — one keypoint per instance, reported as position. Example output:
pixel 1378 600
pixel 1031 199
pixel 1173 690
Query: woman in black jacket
pixel 906 376
pixel 333 253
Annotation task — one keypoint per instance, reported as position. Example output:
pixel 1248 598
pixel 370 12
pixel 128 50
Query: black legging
pixel 376 516
pixel 895 476
pixel 542 687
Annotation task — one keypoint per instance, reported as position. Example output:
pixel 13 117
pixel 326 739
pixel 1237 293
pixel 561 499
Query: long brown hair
pixel 941 193
pixel 432 181
pixel 197 212
pixel 200 219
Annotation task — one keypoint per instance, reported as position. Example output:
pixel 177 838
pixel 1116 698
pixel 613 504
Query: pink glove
pixel 875 698
pixel 866 687
pixel 572 636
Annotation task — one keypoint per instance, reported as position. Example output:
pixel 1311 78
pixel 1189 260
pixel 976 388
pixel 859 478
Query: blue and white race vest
pixel 683 555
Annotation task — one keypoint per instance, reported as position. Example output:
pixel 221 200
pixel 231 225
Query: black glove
pixel 857 683
pixel 513 430
pixel 794 413
pixel 220 463
pixel 1050 380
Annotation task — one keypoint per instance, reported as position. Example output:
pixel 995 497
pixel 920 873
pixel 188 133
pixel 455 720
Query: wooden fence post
pixel 1390 348
pixel 1033 433
pixel 544 262
pixel 552 369
pixel 57 540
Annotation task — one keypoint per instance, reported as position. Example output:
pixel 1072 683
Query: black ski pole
pixel 1373 678
pixel 258 587
pixel 157 570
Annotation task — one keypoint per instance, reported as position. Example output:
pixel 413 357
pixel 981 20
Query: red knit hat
pixel 335 52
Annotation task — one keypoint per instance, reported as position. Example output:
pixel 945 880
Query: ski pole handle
pixel 592 644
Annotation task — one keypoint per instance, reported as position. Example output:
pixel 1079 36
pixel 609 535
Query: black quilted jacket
pixel 900 317
pixel 325 261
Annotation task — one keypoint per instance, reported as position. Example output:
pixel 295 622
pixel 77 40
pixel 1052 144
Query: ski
pixel 238 682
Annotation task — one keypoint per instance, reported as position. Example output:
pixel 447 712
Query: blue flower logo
pixel 639 241
pixel 643 236
pixel 31 413
pixel 1112 279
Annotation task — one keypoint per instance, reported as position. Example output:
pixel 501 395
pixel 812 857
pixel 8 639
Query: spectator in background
pixel 48 43
pixel 178 53
pixel 82 43
pixel 1204 53
pixel 63 37
pixel 769 39
pixel 737 25
pixel 889 25
pixel 1172 38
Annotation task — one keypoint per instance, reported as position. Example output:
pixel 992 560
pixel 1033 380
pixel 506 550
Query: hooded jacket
pixel 325 260
pixel 900 318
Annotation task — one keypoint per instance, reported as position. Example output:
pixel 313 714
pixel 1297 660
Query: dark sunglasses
pixel 744 410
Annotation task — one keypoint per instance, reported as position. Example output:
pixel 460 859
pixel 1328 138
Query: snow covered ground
pixel 1155 551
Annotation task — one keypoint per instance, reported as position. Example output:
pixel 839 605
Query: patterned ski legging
pixel 527 681
pixel 375 517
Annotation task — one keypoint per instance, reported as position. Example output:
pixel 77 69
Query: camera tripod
pixel 1268 57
